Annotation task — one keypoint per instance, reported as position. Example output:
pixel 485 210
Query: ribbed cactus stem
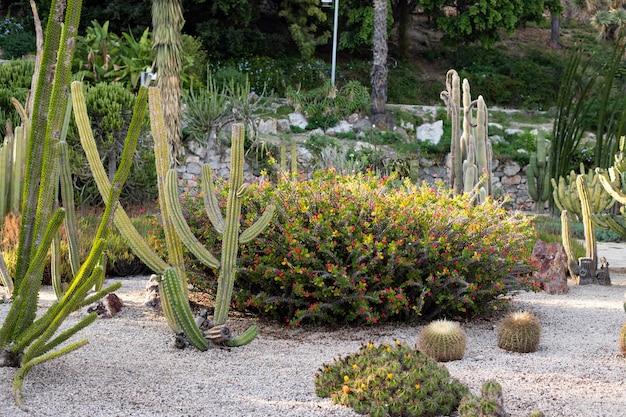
pixel 590 237
pixel 452 99
pixel 567 239
pixel 538 173
pixel 162 161
pixel 211 205
pixel 230 239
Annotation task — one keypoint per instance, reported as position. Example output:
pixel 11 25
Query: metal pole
pixel 334 57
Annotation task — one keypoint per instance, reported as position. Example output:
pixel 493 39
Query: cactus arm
pixel 120 219
pixel 55 265
pixel 483 162
pixel 5 277
pixel 67 195
pixel 162 161
pixel 566 238
pixel 230 248
pixel 18 381
pixel 452 99
pixel 244 338
pixel 17 174
pixel 211 204
pixel 615 192
pixel 590 238
pixel 176 297
pixel 5 169
pixel 259 226
pixel 181 226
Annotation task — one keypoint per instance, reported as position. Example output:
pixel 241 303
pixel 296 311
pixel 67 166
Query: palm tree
pixel 379 66
pixel 167 22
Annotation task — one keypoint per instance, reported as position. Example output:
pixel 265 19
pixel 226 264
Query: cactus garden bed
pixel 131 366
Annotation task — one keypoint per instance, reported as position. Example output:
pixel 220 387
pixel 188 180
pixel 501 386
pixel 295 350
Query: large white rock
pixel 431 132
pixel 298 120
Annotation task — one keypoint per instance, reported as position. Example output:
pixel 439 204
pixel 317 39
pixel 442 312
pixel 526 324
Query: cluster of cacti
pixel 12 160
pixel 566 195
pixel 489 404
pixel 28 339
pixel 442 340
pixel 519 331
pixel 538 173
pixel 390 380
pixel 227 226
pixel 470 149
pixel 614 182
pixel 583 195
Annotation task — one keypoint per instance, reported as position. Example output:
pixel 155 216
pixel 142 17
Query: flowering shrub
pixel 359 248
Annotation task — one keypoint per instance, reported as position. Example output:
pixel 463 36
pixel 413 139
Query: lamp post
pixel 333 68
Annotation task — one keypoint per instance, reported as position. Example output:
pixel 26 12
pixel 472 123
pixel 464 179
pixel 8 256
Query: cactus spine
pixel 538 173
pixel 228 226
pixel 471 155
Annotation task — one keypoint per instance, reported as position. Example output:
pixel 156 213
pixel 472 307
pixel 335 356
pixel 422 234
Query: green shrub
pixel 16 40
pixel 15 80
pixel 358 248
pixel 390 380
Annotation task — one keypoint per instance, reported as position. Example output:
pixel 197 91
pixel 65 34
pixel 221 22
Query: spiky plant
pixel 519 331
pixel 390 380
pixel 489 404
pixel 443 340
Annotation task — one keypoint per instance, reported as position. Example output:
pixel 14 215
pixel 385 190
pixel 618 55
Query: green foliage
pixel 356 249
pixel 15 79
pixel 489 404
pixel 479 21
pixel 390 380
pixel 326 105
pixel 16 38
pixel 304 18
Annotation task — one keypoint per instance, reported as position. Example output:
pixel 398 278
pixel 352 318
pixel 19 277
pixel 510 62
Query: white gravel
pixel 131 368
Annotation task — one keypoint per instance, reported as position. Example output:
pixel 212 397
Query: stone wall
pixel 508 177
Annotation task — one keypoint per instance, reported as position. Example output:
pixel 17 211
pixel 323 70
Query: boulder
pixel 431 132
pixel 551 260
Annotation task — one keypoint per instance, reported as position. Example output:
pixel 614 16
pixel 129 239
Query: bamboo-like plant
pixel 26 340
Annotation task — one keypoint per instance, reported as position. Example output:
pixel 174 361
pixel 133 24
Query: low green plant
pixel 362 249
pixel 390 380
pixel 519 331
pixel 489 404
pixel 442 340
pixel 16 40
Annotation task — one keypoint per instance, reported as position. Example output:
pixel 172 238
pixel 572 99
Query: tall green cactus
pixel 538 173
pixel 228 226
pixel 587 266
pixel 24 341
pixel 614 182
pixel 471 154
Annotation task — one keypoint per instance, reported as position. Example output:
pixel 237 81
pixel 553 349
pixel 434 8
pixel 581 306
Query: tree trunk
pixel 555 30
pixel 379 66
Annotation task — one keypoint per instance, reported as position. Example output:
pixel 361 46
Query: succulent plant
pixel 443 340
pixel 622 339
pixel 519 331
pixel 490 404
pixel 390 380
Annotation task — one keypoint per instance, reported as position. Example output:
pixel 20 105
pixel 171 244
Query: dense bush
pixel 390 380
pixel 362 249
pixel 15 79
pixel 16 40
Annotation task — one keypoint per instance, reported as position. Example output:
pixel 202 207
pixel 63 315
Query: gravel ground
pixel 131 368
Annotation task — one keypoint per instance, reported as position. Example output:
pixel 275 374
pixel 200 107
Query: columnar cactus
pixel 566 197
pixel 24 341
pixel 614 182
pixel 470 150
pixel 587 266
pixel 228 227
pixel 538 173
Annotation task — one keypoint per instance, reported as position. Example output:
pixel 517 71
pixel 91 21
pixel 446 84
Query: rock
pixel 152 293
pixel 511 168
pixel 108 307
pixel 514 180
pixel 282 125
pixel 431 132
pixel 268 126
pixel 298 120
pixel 341 127
pixel 552 262
pixel 361 125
